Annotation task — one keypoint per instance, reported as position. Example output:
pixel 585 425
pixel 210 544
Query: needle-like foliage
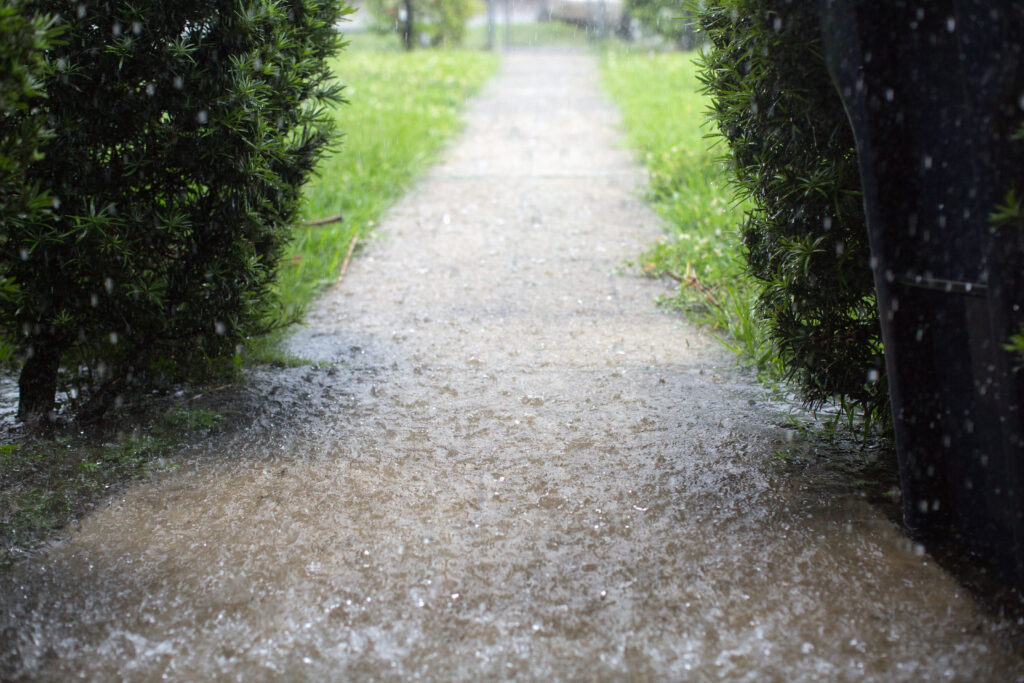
pixel 182 134
pixel 794 159
pixel 24 39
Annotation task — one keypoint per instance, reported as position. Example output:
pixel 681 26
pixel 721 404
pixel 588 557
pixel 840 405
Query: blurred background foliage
pixel 435 23
pixel 671 20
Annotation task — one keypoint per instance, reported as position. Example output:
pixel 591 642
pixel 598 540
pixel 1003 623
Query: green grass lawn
pixel 664 115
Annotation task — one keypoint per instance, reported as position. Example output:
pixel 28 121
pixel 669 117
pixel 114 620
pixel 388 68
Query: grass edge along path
pixel 663 113
pixel 402 108
pixel 664 116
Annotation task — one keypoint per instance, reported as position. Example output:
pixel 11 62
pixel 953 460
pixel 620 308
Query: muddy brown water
pixel 516 467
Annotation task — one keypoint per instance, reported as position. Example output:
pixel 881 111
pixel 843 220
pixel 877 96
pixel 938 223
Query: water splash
pixel 523 486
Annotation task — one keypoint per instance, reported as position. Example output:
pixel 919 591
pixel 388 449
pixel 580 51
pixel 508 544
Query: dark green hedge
pixel 182 133
pixel 23 41
pixel 793 154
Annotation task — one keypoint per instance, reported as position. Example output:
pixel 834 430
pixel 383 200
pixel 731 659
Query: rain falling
pixel 500 459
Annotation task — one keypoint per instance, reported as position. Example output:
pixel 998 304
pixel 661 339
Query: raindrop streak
pixel 524 488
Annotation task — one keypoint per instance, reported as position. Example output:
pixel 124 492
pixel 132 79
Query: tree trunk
pixel 104 398
pixel 99 403
pixel 408 31
pixel 37 385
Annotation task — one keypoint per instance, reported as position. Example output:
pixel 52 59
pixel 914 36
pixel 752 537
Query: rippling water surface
pixel 516 467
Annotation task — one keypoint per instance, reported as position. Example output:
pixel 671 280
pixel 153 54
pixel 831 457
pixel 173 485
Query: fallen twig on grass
pixel 324 221
pixel 689 279
pixel 344 264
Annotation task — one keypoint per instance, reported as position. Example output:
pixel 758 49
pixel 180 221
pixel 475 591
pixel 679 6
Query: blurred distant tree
pixel 442 23
pixel 673 20
pixel 182 133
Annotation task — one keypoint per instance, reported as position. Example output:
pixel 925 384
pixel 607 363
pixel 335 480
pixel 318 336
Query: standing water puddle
pixel 517 468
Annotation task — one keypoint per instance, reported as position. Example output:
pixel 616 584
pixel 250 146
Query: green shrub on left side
pixel 24 38
pixel 183 132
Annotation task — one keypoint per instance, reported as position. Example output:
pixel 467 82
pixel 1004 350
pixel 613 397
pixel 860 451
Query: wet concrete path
pixel 517 468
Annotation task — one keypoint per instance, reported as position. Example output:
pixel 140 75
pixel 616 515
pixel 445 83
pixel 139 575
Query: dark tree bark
pixel 37 384
pixel 408 33
pixel 100 402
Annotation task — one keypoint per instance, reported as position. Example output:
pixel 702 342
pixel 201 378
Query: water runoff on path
pixel 511 465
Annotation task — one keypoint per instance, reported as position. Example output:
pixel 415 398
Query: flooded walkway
pixel 517 468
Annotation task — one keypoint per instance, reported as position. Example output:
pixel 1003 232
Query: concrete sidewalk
pixel 529 472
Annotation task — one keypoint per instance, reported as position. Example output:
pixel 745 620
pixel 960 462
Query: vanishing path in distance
pixel 517 468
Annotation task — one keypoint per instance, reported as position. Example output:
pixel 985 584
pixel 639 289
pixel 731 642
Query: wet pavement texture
pixel 514 466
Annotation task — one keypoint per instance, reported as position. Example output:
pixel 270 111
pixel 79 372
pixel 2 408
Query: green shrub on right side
pixel 1008 218
pixel 793 157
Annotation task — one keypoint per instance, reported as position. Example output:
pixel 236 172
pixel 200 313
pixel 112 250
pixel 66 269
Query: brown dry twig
pixel 324 221
pixel 689 279
pixel 344 264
